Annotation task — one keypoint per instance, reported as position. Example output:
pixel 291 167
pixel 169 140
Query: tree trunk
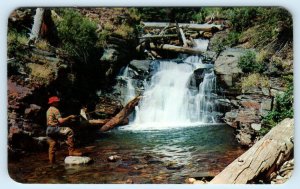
pixel 262 158
pixel 174 48
pixel 122 115
pixel 198 27
pixel 37 23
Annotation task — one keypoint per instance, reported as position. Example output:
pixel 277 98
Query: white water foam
pixel 201 44
pixel 172 100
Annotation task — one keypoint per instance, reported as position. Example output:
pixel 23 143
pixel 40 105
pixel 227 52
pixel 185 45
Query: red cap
pixel 53 99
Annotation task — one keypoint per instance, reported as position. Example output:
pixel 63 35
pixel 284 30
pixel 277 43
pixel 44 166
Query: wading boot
pixel 72 151
pixel 52 150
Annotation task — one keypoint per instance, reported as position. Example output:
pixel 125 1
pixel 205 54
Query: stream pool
pixel 157 156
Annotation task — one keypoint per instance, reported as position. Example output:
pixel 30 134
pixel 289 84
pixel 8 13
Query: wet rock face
pixel 247 111
pixel 32 111
pixel 142 67
pixel 226 66
pixel 107 107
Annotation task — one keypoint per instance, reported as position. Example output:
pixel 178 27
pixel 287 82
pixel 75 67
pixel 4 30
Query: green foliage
pixel 255 80
pixel 283 108
pixel 248 63
pixel 77 34
pixel 125 31
pixel 218 44
pixel 158 14
pixel 15 42
pixel 241 17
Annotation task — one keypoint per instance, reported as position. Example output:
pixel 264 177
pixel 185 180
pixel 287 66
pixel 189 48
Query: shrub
pixel 42 44
pixel 283 108
pixel 77 34
pixel 15 43
pixel 159 14
pixel 255 80
pixel 221 42
pixel 241 18
pixel 125 31
pixel 248 63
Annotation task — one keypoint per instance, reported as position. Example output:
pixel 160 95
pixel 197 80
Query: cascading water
pixel 201 44
pixel 128 92
pixel 172 98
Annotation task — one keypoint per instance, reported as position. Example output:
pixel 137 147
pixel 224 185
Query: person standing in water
pixel 56 130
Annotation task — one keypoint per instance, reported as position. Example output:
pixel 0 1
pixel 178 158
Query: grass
pixel 125 31
pixel 42 44
pixel 15 43
pixel 14 37
pixel 255 80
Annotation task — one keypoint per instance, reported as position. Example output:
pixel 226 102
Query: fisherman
pixel 55 129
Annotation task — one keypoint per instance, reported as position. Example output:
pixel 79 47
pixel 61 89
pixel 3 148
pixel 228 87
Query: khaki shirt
pixel 53 115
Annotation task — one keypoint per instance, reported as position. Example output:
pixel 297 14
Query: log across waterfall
pixel 198 27
pixel 174 48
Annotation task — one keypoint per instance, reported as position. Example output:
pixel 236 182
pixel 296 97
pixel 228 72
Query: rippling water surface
pixel 157 156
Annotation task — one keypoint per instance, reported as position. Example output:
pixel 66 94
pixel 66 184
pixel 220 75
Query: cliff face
pixel 39 70
pixel 253 94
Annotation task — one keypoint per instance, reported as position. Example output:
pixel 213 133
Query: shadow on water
pixel 161 156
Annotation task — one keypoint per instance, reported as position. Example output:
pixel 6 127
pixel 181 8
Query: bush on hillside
pixel 15 43
pixel 77 34
pixel 283 108
pixel 249 64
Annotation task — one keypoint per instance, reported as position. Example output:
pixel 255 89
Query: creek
pixel 161 156
pixel 174 133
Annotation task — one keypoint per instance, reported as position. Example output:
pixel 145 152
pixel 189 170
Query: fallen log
pixel 122 115
pixel 174 48
pixel 262 158
pixel 197 27
pixel 183 38
pixel 159 36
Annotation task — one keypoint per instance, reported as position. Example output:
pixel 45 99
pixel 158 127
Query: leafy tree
pixel 78 35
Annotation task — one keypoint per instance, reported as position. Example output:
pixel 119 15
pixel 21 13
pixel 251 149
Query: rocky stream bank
pixel 35 73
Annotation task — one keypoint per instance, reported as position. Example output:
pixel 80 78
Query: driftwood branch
pixel 198 27
pixel 262 158
pixel 121 116
pixel 174 48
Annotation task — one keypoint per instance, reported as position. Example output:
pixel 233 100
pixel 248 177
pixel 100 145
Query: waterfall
pixel 127 92
pixel 173 99
pixel 201 44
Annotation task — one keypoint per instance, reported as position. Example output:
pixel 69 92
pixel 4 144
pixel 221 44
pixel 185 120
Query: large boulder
pixel 32 111
pixel 110 55
pixel 226 66
pixel 77 160
pixel 140 66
